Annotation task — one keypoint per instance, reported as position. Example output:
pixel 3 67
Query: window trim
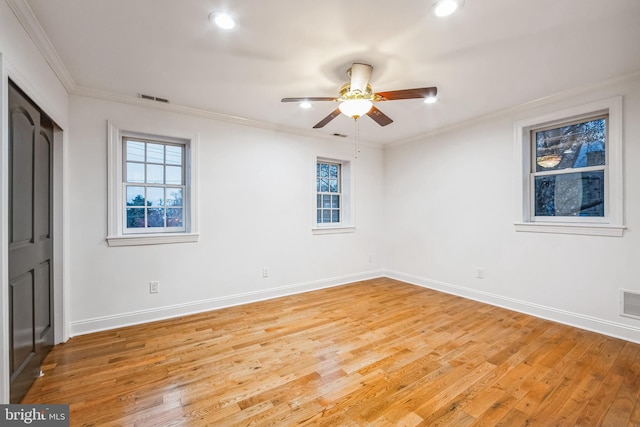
pixel 115 193
pixel 347 199
pixel 612 224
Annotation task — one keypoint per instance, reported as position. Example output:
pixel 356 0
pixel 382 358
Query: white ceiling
pixel 491 55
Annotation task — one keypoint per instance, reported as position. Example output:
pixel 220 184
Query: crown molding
pixel 551 99
pixel 197 112
pixel 31 25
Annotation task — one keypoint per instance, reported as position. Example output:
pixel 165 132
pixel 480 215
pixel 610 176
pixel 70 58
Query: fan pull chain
pixel 357 137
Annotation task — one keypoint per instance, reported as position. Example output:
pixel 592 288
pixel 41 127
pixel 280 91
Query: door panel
pixel 42 302
pixel 23 127
pixel 21 312
pixel 42 176
pixel 30 243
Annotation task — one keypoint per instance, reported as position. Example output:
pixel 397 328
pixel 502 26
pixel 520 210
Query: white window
pixel 154 186
pixel 152 197
pixel 333 207
pixel 329 193
pixel 570 164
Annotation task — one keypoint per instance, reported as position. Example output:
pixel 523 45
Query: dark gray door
pixel 30 241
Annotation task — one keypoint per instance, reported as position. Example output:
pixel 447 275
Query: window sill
pixel 158 239
pixel 333 230
pixel 566 228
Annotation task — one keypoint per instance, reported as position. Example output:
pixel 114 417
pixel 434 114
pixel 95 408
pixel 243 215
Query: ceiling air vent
pixel 153 98
pixel 630 304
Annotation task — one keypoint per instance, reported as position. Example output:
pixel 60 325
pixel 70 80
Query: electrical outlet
pixel 154 287
pixel 265 272
pixel 479 273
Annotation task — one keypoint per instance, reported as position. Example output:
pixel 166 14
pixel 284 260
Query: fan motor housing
pixel 346 93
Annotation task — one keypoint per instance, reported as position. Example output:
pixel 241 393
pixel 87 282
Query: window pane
pixel 574 146
pixel 174 197
pixel 326 215
pixel 333 185
pixel 135 151
pixel 135 172
pixel 155 196
pixel 174 155
pixel 572 194
pixel 318 201
pixel 135 196
pixel 155 153
pixel 317 170
pixel 174 175
pixel 135 217
pixel 333 171
pixel 319 219
pixel 324 170
pixel 155 185
pixel 155 217
pixel 326 201
pixel 155 174
pixel 174 217
pixel 335 216
pixel 335 202
pixel 324 185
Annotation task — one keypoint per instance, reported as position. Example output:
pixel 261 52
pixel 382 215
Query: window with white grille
pixel 329 192
pixel 152 188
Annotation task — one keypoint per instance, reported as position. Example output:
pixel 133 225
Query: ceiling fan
pixel 357 98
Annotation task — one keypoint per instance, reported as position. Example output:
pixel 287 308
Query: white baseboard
pixel 614 329
pixel 86 326
pixel 602 326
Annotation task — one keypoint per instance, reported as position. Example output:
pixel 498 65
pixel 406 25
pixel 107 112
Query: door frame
pixel 60 297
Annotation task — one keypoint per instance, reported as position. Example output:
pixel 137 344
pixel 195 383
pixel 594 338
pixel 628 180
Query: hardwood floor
pixel 374 353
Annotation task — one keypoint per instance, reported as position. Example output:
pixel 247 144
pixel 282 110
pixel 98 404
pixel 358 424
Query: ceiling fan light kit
pixel 357 97
pixel 355 108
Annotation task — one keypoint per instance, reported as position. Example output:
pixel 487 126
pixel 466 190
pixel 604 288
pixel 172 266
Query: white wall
pixel 256 195
pixel 450 209
pixel 21 61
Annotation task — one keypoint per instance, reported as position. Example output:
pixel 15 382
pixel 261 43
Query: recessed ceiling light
pixel 430 99
pixel 446 7
pixel 222 20
pixel 305 104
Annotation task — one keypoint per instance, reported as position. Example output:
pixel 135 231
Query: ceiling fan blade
pixel 360 75
pixel 327 119
pixel 309 98
pixel 379 117
pixel 422 92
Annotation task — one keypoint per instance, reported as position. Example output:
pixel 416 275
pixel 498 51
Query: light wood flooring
pixel 373 353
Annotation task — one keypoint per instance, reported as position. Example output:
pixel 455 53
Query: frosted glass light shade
pixel 550 161
pixel 355 108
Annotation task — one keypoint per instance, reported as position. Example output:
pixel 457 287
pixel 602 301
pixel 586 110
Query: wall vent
pixel 630 304
pixel 153 98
